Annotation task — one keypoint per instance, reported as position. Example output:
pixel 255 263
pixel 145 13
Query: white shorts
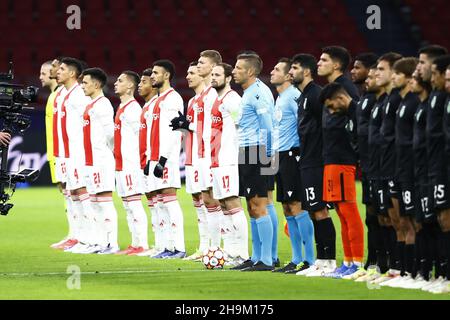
pixel 100 178
pixel 193 184
pixel 205 175
pixel 225 182
pixel 76 175
pixel 61 169
pixel 129 183
pixel 171 177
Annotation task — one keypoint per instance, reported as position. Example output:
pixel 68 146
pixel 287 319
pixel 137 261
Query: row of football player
pixel 337 66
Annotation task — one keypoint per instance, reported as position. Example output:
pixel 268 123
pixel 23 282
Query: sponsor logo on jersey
pixel 418 114
pixel 448 107
pixel 387 107
pixel 304 104
pixel 216 119
pixel 86 123
pixel 155 117
pixel 364 105
pixel 375 113
pixel 116 126
pixel 402 111
pixel 433 102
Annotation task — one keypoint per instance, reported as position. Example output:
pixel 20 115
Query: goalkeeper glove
pixel 180 122
pixel 147 168
pixel 159 169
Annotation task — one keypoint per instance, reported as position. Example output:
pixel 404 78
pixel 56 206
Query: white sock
pixel 164 225
pixel 140 221
pixel 134 241
pixel 69 214
pixel 202 225
pixel 240 232
pixel 213 218
pixel 176 222
pixel 98 234
pixel 88 219
pixel 77 218
pixel 226 232
pixel 109 222
pixel 153 207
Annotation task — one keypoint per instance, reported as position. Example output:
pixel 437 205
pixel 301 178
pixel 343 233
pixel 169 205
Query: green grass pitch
pixel 29 269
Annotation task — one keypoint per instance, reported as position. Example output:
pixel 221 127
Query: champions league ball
pixel 213 258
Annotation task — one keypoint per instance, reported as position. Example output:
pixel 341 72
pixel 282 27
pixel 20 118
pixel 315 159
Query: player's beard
pixel 220 87
pixel 157 85
pixel 298 81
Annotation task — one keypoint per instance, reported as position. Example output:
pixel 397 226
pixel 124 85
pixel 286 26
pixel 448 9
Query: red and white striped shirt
pixel 126 136
pixel 56 120
pixel 224 138
pixel 144 129
pixel 163 141
pixel 98 129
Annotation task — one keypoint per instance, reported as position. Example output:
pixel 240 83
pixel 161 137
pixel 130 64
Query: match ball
pixel 213 258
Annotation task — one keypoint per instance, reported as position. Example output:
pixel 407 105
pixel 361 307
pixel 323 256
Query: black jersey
pixel 374 137
pixel 349 86
pixel 339 136
pixel 404 124
pixel 387 160
pixel 363 112
pixel 420 144
pixel 446 125
pixel 435 134
pixel 310 112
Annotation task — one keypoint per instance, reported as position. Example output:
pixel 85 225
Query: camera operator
pixel 5 138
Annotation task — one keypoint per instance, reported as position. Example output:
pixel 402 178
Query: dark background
pixel 119 35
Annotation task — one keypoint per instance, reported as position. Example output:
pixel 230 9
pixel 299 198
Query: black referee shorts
pixel 253 179
pixel 289 186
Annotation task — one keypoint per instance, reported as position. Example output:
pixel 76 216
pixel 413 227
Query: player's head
pixel 303 67
pixel 93 81
pixel 145 88
pixel 248 66
pixel 193 77
pixel 427 55
pixel 403 71
pixel 447 79
pixel 45 74
pixel 370 83
pixel 207 61
pixel 438 68
pixel 127 83
pixel 362 65
pixel 418 85
pixel 280 73
pixel 70 69
pixel 334 97
pixel 384 68
pixel 56 63
pixel 221 76
pixel 333 60
pixel 162 73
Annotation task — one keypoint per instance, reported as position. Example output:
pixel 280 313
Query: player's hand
pixel 147 169
pixel 5 138
pixel 159 169
pixel 180 122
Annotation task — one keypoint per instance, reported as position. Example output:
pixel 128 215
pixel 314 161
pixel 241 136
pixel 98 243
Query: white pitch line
pixel 37 274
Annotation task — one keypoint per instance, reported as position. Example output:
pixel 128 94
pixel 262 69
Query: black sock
pixel 328 236
pixel 409 258
pixel 443 255
pixel 399 255
pixel 318 237
pixel 419 255
pixel 447 235
pixel 381 247
pixel 372 238
pixel 392 247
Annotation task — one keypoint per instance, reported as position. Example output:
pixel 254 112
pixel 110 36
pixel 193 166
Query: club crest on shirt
pixel 402 111
pixel 375 113
pixel 349 126
pixel 278 115
pixel 387 107
pixel 433 102
pixel 304 104
pixel 364 105
pixel 418 115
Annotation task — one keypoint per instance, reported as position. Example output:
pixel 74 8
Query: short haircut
pixel 213 55
pixel 74 64
pixel 390 58
pixel 133 77
pixel 330 91
pixel 433 51
pixel 254 60
pixel 288 63
pixel 407 66
pixel 339 54
pixel 306 61
pixel 367 59
pixel 96 74
pixel 167 65
pixel 442 63
pixel 147 72
pixel 193 64
pixel 47 63
pixel 227 69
